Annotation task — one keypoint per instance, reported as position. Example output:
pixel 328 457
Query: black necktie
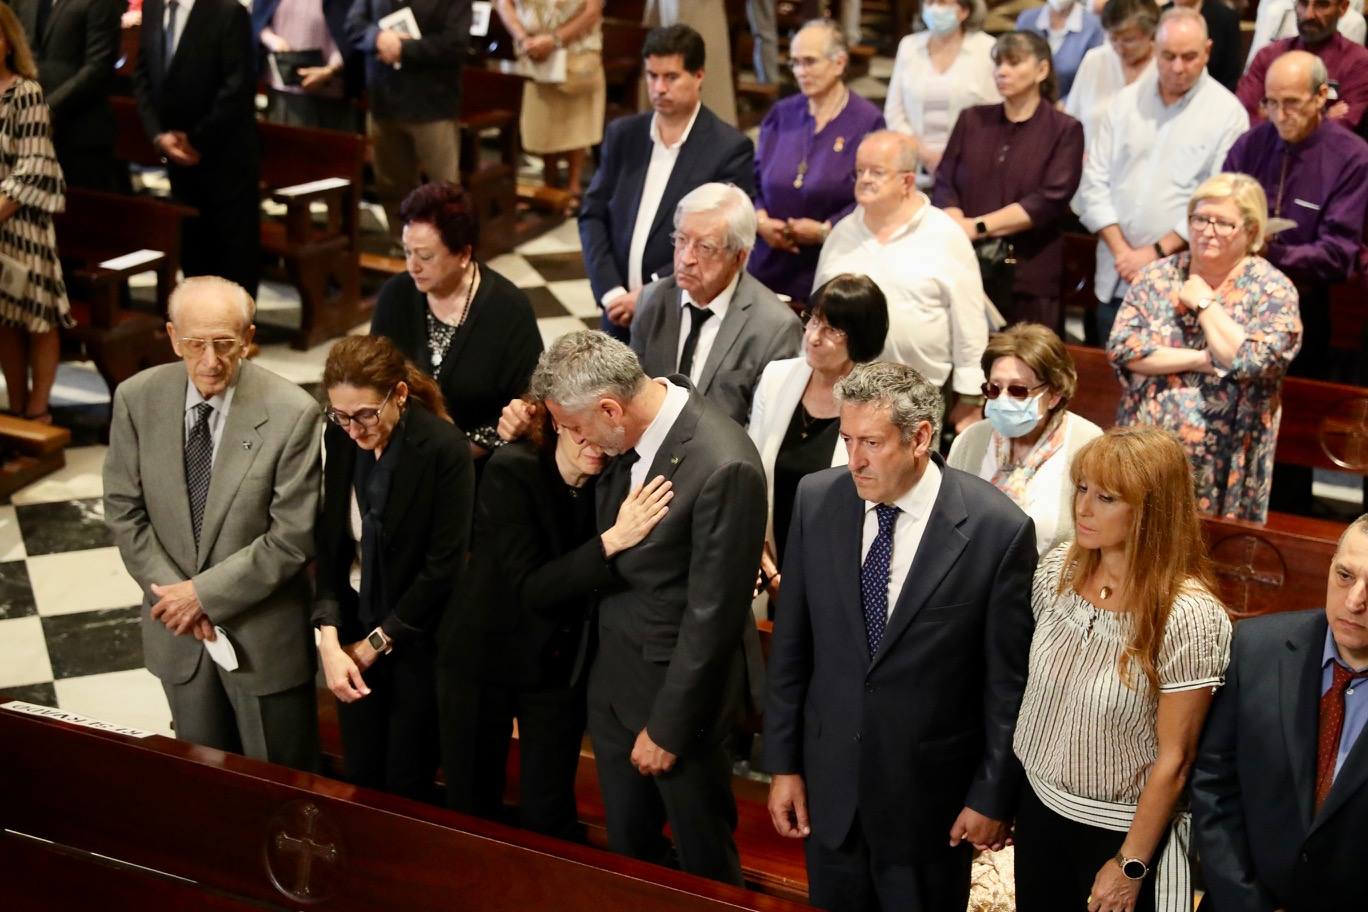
pixel 40 24
pixel 700 316
pixel 169 49
pixel 199 465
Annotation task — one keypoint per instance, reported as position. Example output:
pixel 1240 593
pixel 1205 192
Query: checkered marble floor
pixel 69 612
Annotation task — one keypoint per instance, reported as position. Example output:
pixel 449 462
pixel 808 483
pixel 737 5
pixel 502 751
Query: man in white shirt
pixel 647 164
pixel 1163 135
pixel 921 259
pixel 712 321
pixel 898 660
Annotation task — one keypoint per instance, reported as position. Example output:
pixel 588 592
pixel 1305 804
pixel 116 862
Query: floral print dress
pixel 1227 421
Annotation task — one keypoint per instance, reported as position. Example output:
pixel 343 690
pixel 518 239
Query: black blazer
pixel 910 737
pixel 714 151
pixel 427 86
pixel 678 627
pixel 528 576
pixel 426 527
pixel 492 356
pixel 75 56
pixel 209 90
pixel 1253 785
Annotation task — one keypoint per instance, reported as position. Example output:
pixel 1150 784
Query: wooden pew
pixel 491 102
pixel 1280 565
pixel 134 820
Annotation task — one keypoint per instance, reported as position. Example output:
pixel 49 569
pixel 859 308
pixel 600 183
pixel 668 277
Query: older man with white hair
pixel 711 320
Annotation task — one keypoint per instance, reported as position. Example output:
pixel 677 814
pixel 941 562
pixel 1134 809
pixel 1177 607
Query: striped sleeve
pixel 1196 644
pixel 35 181
pixel 1045 585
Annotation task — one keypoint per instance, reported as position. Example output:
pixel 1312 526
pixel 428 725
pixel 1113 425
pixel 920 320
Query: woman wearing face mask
pixel 1029 438
pixel 1202 343
pixel 521 645
pixel 937 74
pixel 1071 29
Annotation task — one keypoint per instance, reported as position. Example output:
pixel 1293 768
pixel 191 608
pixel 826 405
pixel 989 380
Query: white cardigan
pixel 777 395
pixel 972 72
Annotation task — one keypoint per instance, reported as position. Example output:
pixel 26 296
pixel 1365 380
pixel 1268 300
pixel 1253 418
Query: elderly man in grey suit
pixel 211 489
pixel 711 320
pixel 666 685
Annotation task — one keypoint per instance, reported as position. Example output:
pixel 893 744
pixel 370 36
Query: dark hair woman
pixel 398 486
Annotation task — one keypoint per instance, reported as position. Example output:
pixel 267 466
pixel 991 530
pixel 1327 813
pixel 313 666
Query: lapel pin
pixel 674 460
pixel 246 444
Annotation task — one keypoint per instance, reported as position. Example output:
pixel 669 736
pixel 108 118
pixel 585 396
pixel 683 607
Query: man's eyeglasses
pixel 821 328
pixel 366 417
pixel 223 347
pixel 1273 105
pixel 878 174
pixel 1015 390
pixel 1198 223
pixel 704 249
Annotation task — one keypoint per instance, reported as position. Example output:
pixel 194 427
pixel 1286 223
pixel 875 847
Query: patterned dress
pixel 31 177
pixel 1227 421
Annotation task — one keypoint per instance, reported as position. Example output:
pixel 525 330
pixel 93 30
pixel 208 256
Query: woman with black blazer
pixel 521 643
pixel 398 489
pixel 458 320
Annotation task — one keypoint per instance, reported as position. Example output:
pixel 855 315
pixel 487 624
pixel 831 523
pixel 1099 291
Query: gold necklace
pixel 1104 593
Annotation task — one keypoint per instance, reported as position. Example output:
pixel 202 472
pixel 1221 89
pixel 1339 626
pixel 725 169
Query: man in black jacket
pixel 195 85
pixel 75 44
pixel 414 93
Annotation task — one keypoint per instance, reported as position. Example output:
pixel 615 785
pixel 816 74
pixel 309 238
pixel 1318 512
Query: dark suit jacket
pixel 670 655
pixel 1253 784
pixel 75 56
pixel 209 90
pixel 427 85
pixel 713 152
pixel 757 329
pixel 924 728
pixel 490 359
pixel 529 577
pixel 425 527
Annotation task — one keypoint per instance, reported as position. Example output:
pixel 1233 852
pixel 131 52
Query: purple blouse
pixel 828 186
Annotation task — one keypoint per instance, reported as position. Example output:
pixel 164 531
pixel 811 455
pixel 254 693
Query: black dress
pixel 490 356
pixel 807 447
pixel 520 645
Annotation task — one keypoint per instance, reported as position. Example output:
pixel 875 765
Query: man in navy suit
pixel 647 164
pixel 898 660
pixel 1280 786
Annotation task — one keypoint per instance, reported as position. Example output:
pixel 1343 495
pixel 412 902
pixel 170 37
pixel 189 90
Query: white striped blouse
pixel 1080 729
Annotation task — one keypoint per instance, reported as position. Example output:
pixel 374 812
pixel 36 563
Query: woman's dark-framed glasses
pixel 366 417
pixel 1015 390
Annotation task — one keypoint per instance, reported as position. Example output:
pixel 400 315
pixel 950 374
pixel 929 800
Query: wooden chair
pixel 491 102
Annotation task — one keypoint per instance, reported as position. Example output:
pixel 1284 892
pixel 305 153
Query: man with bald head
pixel 1318 34
pixel 926 267
pixel 211 489
pixel 1162 135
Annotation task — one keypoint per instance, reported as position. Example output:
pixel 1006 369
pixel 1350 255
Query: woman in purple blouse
pixel 805 163
pixel 1010 170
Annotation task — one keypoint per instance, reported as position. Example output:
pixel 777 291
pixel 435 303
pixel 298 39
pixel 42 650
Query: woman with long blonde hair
pixel 1129 647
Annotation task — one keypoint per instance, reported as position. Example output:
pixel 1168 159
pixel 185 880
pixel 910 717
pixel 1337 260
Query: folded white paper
pixel 401 21
pixel 221 650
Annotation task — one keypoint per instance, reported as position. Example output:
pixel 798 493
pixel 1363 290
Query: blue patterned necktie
pixel 199 465
pixel 874 578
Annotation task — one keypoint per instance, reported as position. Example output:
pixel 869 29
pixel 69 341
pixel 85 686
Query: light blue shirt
pixel 220 403
pixel 1355 699
pixel 1082 32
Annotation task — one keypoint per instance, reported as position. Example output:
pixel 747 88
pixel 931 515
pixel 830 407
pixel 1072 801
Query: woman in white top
pixel 1129 647
pixel 1029 438
pixel 937 74
pixel 1108 68
pixel 794 418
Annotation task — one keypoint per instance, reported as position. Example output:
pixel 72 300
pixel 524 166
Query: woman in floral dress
pixel 1201 345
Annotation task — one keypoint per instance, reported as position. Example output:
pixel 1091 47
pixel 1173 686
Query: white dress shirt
pixel 708 333
pixel 676 397
pixel 1145 161
pixel 221 403
pixel 937 311
pixel 1277 19
pixel 182 14
pixel 658 171
pixel 915 508
pixel 1100 76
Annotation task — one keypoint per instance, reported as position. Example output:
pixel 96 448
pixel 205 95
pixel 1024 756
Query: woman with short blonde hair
pixel 1129 647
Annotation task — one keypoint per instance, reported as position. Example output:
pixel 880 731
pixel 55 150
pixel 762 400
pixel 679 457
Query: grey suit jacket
pixel 758 329
pixel 257 532
pixel 671 656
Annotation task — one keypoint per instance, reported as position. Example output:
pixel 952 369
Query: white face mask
pixel 940 18
pixel 1060 6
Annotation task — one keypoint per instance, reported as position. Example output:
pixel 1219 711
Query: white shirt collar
pixel 916 504
pixel 683 137
pixel 676 397
pixel 1152 74
pixel 910 226
pixel 1073 24
pixel 717 305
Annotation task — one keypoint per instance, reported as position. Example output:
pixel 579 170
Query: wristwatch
pixel 1133 868
pixel 1204 303
pixel 981 227
pixel 379 642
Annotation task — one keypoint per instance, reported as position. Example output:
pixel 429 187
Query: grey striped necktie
pixel 199 465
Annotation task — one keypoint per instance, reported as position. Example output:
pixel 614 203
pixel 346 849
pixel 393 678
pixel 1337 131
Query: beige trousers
pixel 402 151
